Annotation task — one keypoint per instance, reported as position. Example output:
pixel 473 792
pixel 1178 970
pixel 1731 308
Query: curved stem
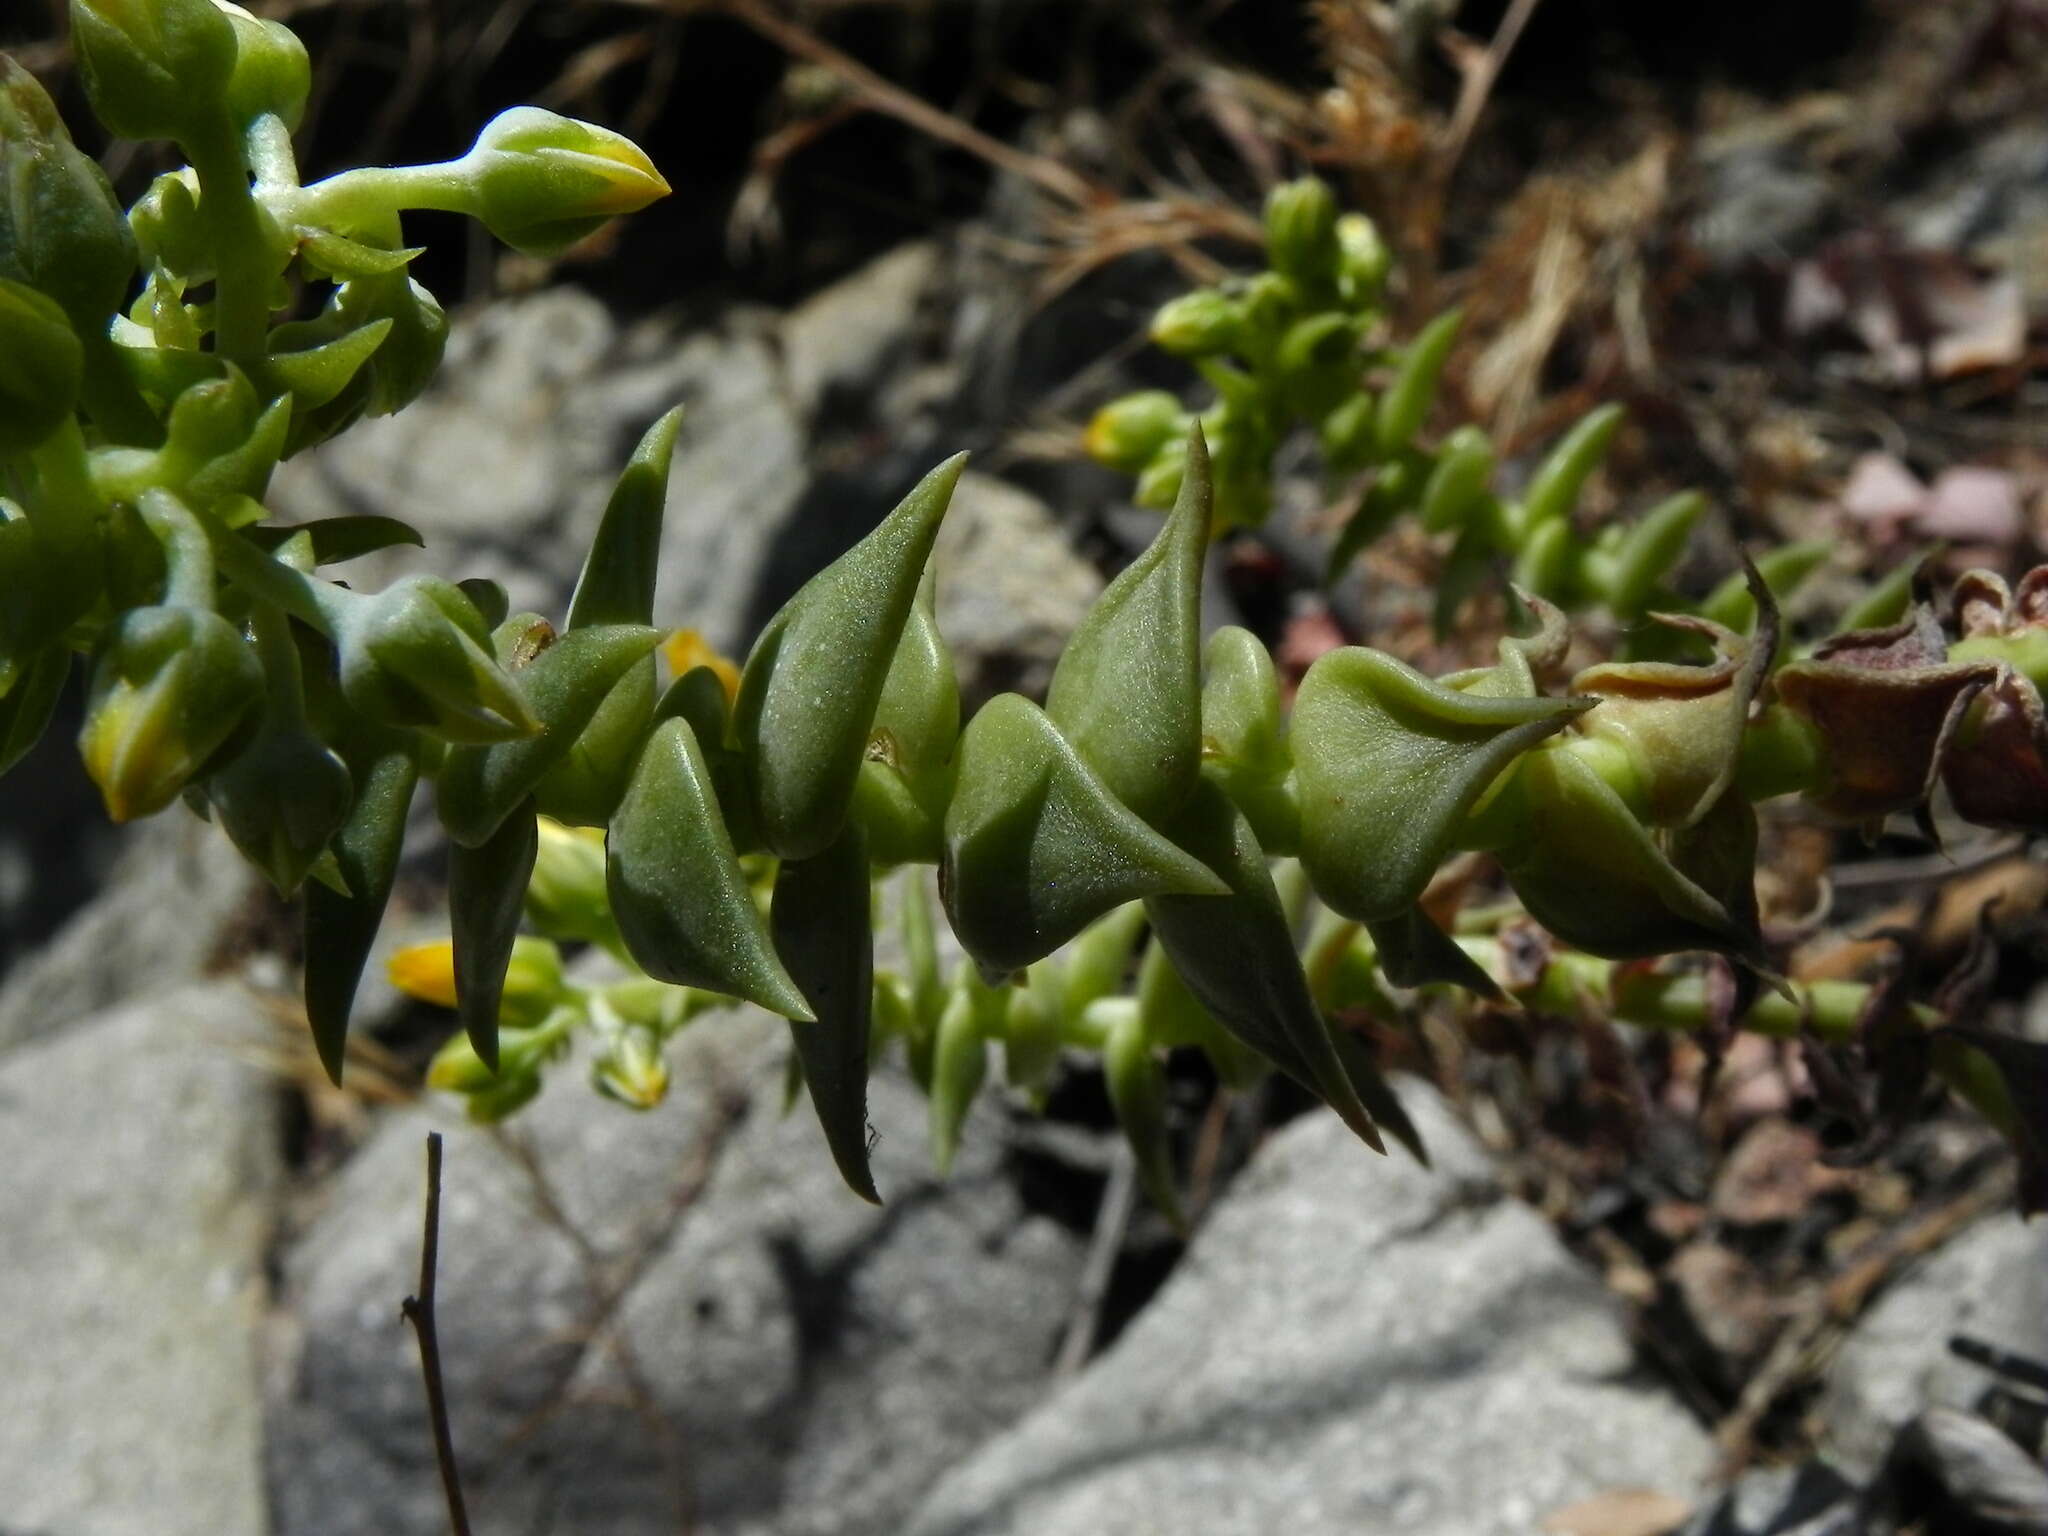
pixel 367 198
pixel 188 553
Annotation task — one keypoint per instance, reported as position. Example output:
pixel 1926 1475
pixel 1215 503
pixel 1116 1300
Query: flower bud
pixel 1159 482
pixel 1301 231
pixel 40 365
pixel 271 73
pixel 221 441
pixel 1127 433
pixel 61 230
pixel 631 1071
pixel 523 1049
pixel 153 68
pixel 169 230
pixel 1364 259
pixel 170 688
pixel 1198 324
pixel 542 182
pixel 534 984
pixel 565 895
pixel 415 655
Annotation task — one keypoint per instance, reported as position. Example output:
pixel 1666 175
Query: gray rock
pixel 660 1326
pixel 1990 1283
pixel 848 336
pixel 142 1159
pixel 1352 1344
pixel 160 921
pixel 1810 1499
pixel 1010 587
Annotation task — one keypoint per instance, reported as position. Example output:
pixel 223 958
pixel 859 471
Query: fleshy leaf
pixel 1127 690
pixel 1036 845
pixel 340 929
pixel 821 925
pixel 1389 763
pixel 563 686
pixel 1237 955
pixel 1593 875
pixel 812 685
pixel 681 901
pixel 486 889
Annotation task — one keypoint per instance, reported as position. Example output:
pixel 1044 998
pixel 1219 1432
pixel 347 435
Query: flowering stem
pixel 241 302
pixel 188 554
pixel 366 198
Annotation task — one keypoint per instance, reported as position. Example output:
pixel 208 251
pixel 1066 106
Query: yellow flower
pixel 426 971
pixel 686 648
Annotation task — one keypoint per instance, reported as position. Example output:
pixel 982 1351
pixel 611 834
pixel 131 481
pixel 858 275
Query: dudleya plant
pixel 1307 346
pixel 720 836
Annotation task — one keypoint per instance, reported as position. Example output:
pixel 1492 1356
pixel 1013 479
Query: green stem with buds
pixel 241 248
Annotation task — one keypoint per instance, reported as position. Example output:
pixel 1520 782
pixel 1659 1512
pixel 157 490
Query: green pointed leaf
pixel 682 902
pixel 1414 952
pixel 905 780
pixel 1173 1017
pixel 1036 845
pixel 812 685
pixel 340 258
pixel 27 706
pixel 336 539
pixel 1389 763
pixel 1553 491
pixel 1649 550
pixel 312 376
pixel 1405 405
pixel 1127 690
pixel 341 928
pixel 821 926
pixel 1378 1096
pixel 617 584
pixel 1237 955
pixel 1593 875
pixel 486 891
pixel 563 686
pixel 1458 485
pixel 280 800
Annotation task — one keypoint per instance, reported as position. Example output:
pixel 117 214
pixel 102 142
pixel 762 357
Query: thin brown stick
pixel 893 101
pixel 1477 87
pixel 419 1311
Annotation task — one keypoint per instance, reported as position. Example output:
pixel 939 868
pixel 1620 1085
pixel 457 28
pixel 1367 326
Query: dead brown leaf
pixel 1620 1512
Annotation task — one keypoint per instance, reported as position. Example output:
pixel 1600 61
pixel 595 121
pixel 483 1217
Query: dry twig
pixel 418 1309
